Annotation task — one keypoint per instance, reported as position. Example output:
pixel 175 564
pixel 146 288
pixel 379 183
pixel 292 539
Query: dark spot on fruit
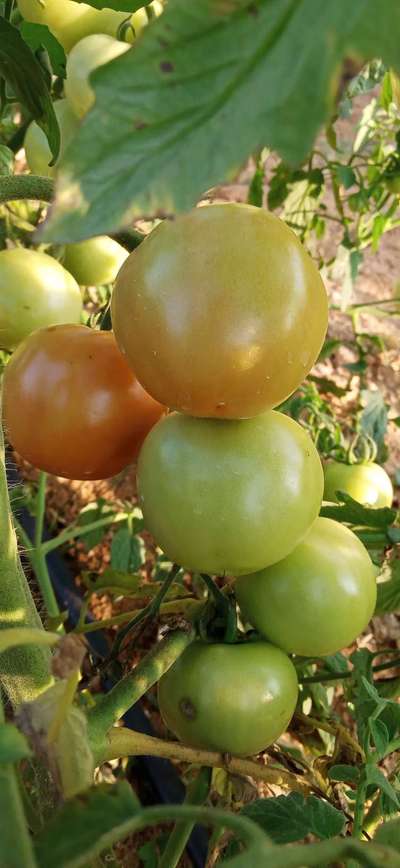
pixel 253 9
pixel 166 66
pixel 187 708
pixel 139 125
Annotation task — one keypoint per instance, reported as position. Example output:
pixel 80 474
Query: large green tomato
pixel 316 600
pixel 368 483
pixel 221 312
pixel 231 698
pixel 71 21
pixel 37 151
pixel 95 261
pixel 86 56
pixel 229 496
pixel 35 291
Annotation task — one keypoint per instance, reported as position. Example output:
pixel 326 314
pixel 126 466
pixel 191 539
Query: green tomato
pixel 368 483
pixel 70 21
pixel 231 698
pixel 37 151
pixel 35 291
pixel 221 495
pixel 96 261
pixel 316 600
pixel 85 57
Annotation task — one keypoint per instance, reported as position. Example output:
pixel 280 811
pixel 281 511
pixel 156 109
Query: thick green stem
pixel 15 842
pixel 196 794
pixel 122 742
pixel 333 852
pixel 24 671
pixel 113 705
pixel 14 187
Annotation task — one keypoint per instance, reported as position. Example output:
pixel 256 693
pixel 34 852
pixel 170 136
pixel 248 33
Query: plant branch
pixel 121 742
pixel 16 849
pixel 113 705
pixel 14 187
pixel 75 531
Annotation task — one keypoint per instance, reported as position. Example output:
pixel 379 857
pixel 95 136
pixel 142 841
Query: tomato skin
pixel 35 291
pixel 95 261
pixel 221 495
pixel 368 483
pixel 316 600
pixel 72 406
pixel 70 21
pixel 37 151
pixel 230 698
pixel 86 56
pixel 221 312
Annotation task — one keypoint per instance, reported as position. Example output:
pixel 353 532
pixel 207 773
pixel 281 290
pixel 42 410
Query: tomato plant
pixel 37 151
pixel 86 56
pixel 95 261
pixel 226 290
pixel 35 291
pixel 316 600
pixel 219 574
pixel 90 438
pixel 368 483
pixel 229 698
pixel 238 493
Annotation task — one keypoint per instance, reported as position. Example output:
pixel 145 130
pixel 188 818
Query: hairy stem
pixel 24 670
pixel 15 842
pixel 14 187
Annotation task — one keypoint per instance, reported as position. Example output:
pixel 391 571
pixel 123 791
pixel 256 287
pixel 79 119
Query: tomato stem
pixel 196 794
pixel 24 670
pixel 14 187
pixel 113 705
pixel 40 565
pixel 121 742
pixel 15 838
pixel 73 531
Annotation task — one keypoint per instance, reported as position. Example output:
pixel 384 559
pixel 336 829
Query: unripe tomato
pixel 221 312
pixel 231 698
pixel 316 600
pixel 368 483
pixel 229 496
pixel 72 406
pixel 86 56
pixel 37 151
pixel 71 21
pixel 95 261
pixel 35 291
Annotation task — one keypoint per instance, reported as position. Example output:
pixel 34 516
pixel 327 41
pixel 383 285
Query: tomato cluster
pixel 219 314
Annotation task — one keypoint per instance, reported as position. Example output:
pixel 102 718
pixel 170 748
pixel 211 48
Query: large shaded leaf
pixel 25 77
pixel 39 37
pixel 206 84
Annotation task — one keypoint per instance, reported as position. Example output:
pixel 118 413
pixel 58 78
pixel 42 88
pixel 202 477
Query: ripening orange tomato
pixel 72 405
pixel 221 312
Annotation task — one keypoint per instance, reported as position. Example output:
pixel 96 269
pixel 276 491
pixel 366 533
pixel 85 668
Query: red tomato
pixel 72 406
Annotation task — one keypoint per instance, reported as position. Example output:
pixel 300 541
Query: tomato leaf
pixel 291 818
pixel 127 551
pixel 345 773
pixel 206 84
pixel 39 37
pixel 349 511
pixel 6 160
pixel 26 79
pixel 389 833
